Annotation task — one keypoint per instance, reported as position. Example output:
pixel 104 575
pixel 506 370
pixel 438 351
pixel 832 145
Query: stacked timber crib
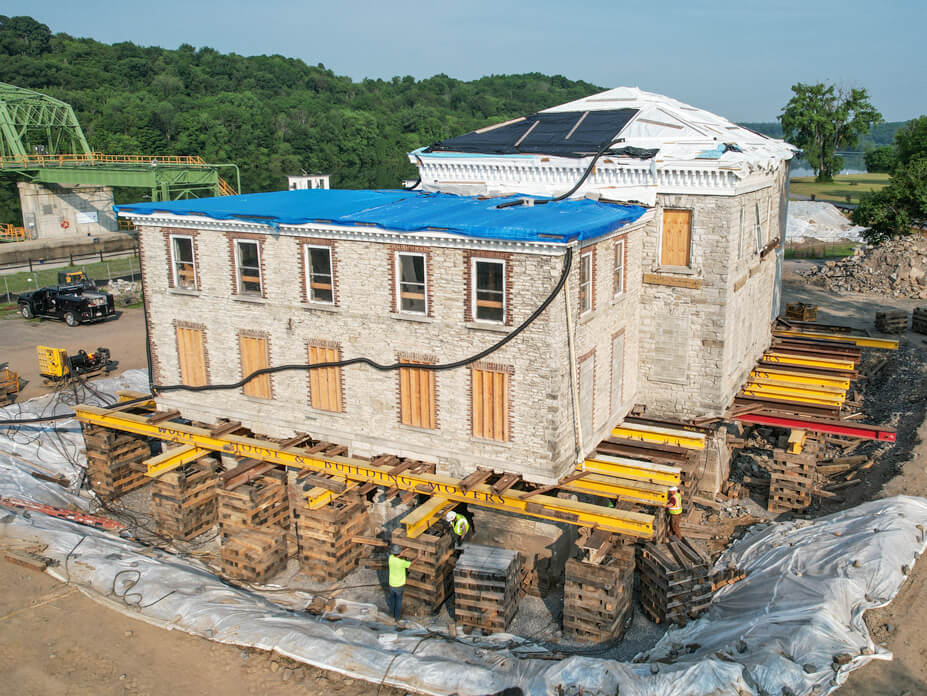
pixel 487 586
pixel 597 592
pixel 919 320
pixel 184 501
pixel 793 479
pixel 430 579
pixel 254 513
pixel 676 584
pixel 892 321
pixel 114 461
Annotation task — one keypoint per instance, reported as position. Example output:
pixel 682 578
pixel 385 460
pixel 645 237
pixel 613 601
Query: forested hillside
pixel 271 115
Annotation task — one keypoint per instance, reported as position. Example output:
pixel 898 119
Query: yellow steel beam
pixel 661 436
pixel 767 393
pixel 789 377
pixel 633 469
pixel 611 487
pixel 422 517
pixel 828 363
pixel 811 389
pixel 797 440
pixel 795 392
pixel 861 341
pixel 360 470
pixel 173 458
pixel 129 395
pixel 319 497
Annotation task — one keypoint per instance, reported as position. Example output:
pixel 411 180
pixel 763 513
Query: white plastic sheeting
pixel 801 604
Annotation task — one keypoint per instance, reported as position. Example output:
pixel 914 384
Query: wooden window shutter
pixel 325 383
pixel 254 357
pixel 417 397
pixel 191 354
pixel 490 407
pixel 677 237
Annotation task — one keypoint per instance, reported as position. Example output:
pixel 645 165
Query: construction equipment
pixel 55 365
pixel 9 386
pixel 12 233
pixel 78 278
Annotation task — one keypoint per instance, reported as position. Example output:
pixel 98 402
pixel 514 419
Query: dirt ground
pixel 50 635
pixel 124 336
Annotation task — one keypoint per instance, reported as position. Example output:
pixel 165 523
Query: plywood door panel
pixel 325 383
pixel 417 397
pixel 490 405
pixel 254 357
pixel 677 237
pixel 191 355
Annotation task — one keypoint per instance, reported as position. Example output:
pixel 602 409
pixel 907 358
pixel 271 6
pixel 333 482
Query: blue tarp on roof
pixel 411 211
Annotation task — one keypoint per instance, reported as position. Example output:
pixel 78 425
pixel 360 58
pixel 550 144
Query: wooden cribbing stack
pixel 597 592
pixel 254 513
pixel 114 461
pixel 487 582
pixel 183 501
pixel 430 580
pixel 324 536
pixel 793 479
pixel 676 584
pixel 892 321
pixel 919 320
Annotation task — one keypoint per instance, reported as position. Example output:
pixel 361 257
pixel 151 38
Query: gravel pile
pixel 897 268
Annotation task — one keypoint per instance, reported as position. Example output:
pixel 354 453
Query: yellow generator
pixel 55 365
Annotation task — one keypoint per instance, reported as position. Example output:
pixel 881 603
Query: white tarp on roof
pixel 801 604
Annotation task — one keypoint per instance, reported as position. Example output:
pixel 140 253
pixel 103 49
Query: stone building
pixel 667 302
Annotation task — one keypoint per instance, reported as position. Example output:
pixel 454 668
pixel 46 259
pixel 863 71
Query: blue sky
pixel 735 57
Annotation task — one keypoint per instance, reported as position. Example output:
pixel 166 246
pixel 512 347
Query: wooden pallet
pixel 261 502
pixel 597 604
pixel 675 581
pixel 9 386
pixel 430 580
pixel 892 321
pixel 324 536
pixel 793 478
pixel 184 501
pixel 801 312
pixel 487 583
pixel 919 320
pixel 253 555
pixel 114 461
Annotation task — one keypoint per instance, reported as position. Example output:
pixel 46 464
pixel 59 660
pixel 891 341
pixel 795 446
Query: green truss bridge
pixel 41 140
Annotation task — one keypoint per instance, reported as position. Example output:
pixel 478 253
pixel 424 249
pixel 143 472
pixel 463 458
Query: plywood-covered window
pixel 490 404
pixel 191 355
pixel 183 262
pixel 319 277
pixel 412 288
pixel 248 267
pixel 255 356
pixel 488 290
pixel 585 283
pixel 325 391
pixel 677 237
pixel 417 397
pixel 619 267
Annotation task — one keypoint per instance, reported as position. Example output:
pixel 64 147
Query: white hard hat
pixel 450 516
pixel 673 488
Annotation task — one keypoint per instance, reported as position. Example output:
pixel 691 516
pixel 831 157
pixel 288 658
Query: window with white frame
pixel 619 267
pixel 248 266
pixel 585 283
pixel 319 279
pixel 488 290
pixel 759 228
pixel 183 262
pixel 412 288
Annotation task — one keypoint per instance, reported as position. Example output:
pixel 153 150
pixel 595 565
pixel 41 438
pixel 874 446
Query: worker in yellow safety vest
pixel 674 505
pixel 397 580
pixel 460 526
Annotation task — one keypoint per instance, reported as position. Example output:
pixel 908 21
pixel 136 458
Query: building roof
pixel 408 211
pixel 637 120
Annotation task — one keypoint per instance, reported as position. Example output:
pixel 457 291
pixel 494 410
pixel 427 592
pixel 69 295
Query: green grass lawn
pixel 24 281
pixel 820 251
pixel 840 188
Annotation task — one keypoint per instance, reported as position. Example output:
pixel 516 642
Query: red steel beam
pixel 848 428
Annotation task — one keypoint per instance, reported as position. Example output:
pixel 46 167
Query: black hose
pixel 567 264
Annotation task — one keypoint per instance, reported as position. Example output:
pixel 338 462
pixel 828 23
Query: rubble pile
pixel 124 292
pixel 897 268
pixel 817 221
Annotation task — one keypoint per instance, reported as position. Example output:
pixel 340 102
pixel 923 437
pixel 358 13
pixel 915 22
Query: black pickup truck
pixel 75 304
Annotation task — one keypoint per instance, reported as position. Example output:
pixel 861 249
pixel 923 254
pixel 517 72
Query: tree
pixel 821 119
pixel 891 212
pixel 882 159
